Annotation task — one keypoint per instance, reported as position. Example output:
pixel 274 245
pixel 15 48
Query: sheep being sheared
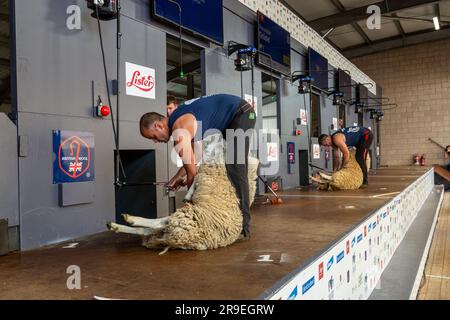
pixel 348 178
pixel 211 219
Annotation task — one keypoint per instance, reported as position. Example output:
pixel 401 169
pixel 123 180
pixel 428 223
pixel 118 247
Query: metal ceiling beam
pixel 287 5
pixel 187 68
pixel 397 42
pixel 399 27
pixel 358 14
pixel 354 24
pixel 437 11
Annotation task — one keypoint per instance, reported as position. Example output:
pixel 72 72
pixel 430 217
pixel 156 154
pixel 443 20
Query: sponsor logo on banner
pixel 140 81
pixel 308 285
pixel 370 227
pixel 365 231
pixel 348 247
pixel 374 225
pixel 340 256
pixel 360 237
pixel 320 271
pixel 316 151
pixel 384 215
pixel 330 263
pixel 353 241
pixel 293 294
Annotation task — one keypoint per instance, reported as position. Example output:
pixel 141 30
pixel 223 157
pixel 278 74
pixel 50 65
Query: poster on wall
pixel 272 152
pixel 140 81
pixel 335 124
pixel 316 151
pixel 248 98
pixel 303 118
pixel 290 155
pixel 73 156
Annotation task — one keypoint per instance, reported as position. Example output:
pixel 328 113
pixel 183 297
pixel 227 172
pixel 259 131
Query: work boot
pixel 364 185
pixel 243 237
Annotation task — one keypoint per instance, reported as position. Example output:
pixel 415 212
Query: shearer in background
pixel 359 137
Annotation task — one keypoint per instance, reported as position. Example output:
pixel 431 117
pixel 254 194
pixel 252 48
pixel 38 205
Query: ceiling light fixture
pixel 436 23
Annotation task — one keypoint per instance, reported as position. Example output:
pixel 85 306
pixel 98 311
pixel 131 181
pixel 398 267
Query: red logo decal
pixel 144 83
pixel 320 271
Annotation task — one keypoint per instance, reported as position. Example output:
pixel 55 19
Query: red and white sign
pixel 303 117
pixel 316 151
pixel 141 81
pixel 272 151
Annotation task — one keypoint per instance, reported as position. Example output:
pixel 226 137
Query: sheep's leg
pixel 147 223
pixel 129 230
pixel 325 176
pixel 190 193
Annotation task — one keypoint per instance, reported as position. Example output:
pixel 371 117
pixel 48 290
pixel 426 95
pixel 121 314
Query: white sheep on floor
pixel 212 219
pixel 348 178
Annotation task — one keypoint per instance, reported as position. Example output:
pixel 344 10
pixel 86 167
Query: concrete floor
pixel 116 266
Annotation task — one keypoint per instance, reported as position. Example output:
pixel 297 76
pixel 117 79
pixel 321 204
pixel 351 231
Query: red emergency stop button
pixel 105 111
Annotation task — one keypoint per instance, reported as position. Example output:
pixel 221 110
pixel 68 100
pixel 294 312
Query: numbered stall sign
pixel 73 156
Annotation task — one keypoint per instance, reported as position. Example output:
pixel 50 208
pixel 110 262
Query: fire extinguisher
pixel 422 160
pixel 416 159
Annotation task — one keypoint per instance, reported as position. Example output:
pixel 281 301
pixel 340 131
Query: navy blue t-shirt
pixel 214 112
pixel 352 134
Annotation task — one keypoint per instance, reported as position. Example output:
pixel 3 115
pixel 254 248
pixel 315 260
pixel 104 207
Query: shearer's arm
pixel 183 131
pixel 336 159
pixel 339 142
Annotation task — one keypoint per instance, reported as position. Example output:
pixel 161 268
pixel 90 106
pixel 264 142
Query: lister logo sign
pixel 140 81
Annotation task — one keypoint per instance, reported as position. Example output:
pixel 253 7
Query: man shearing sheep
pixel 197 118
pixel 341 140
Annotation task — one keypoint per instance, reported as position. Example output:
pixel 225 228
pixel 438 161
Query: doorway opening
pixel 139 197
pixel 341 117
pixel 269 103
pixel 315 127
pixel 183 83
pixel 303 167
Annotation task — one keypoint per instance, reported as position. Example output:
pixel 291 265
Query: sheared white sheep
pixel 211 219
pixel 348 178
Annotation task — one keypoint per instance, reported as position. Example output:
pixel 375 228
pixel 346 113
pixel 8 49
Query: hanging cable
pixel 116 178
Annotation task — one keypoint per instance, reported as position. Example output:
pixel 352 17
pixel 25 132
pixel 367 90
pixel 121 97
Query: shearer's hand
pixel 176 183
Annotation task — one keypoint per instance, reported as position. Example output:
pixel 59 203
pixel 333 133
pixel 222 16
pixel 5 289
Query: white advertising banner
pixel 352 267
pixel 140 81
